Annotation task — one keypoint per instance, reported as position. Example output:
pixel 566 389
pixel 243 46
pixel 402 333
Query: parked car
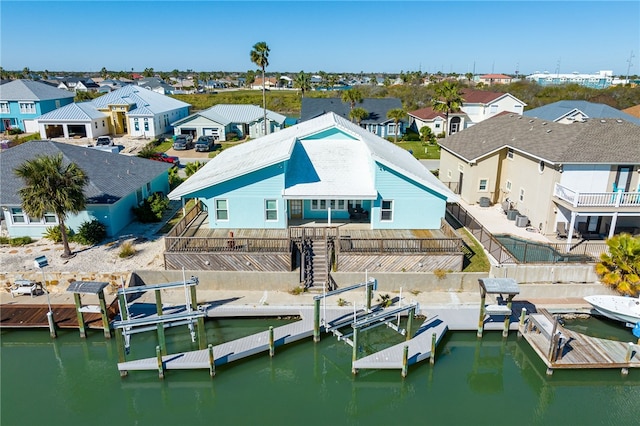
pixel 183 142
pixel 162 156
pixel 104 141
pixel 205 143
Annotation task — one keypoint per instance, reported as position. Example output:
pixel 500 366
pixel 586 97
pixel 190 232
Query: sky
pixel 332 36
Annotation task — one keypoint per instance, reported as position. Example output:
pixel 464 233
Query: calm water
pixel 70 381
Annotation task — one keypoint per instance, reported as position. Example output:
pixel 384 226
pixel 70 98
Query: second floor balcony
pixel 618 200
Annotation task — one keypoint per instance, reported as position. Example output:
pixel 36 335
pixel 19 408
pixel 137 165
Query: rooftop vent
pixel 603 121
pixel 619 121
pixel 544 124
pixel 531 121
pixel 548 130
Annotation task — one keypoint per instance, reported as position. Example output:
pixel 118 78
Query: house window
pixel 461 167
pixel 484 185
pixel 136 125
pixel 493 109
pixel 146 125
pixel 148 187
pixel 222 210
pixel 521 197
pixel 50 217
pixel 102 123
pixel 437 125
pixel 4 107
pixel 96 123
pixel 27 108
pixel 392 129
pixel 355 204
pixel 57 103
pixel 510 154
pixel 17 216
pixel 507 185
pixel 374 128
pixel 139 198
pixel 387 210
pixel 271 209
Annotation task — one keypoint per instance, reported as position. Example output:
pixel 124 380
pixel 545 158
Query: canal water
pixel 73 381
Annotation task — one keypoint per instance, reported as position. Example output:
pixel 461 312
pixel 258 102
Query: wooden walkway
pixel 575 350
pixel 419 348
pixel 234 350
pixel 35 316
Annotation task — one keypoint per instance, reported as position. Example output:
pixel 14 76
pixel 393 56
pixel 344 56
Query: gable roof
pixel 591 142
pixel 29 90
pixel 376 107
pixel 429 113
pixel 495 76
pixel 558 110
pixel 226 114
pixel 279 146
pixel 81 111
pixel 131 94
pixel 111 176
pixel 471 96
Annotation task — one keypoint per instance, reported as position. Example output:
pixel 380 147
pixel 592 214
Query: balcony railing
pixel 597 199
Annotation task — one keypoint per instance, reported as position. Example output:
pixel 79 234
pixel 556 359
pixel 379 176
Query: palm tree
pixel 260 57
pixel 358 114
pixel 303 82
pixel 51 186
pixel 352 96
pixel 104 73
pixel 620 269
pixel 396 115
pixel 448 99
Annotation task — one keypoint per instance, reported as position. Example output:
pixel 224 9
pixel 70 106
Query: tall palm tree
pixel 620 269
pixel 52 186
pixel 303 82
pixel 352 96
pixel 396 115
pixel 260 57
pixel 448 99
pixel 358 114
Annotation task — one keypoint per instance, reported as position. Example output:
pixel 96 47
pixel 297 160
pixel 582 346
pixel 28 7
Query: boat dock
pixel 236 349
pixel 35 316
pixel 560 348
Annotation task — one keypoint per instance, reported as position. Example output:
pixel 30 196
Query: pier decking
pixel 419 348
pixel 561 348
pixel 35 316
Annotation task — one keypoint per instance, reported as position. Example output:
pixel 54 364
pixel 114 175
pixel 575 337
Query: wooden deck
pixel 419 348
pixel 35 316
pixel 576 350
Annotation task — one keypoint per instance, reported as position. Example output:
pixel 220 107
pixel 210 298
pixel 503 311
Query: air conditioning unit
pixel 522 221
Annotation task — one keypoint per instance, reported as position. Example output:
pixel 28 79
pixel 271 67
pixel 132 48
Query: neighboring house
pixel 131 110
pixel 76 84
pixel 109 85
pixel 269 83
pixel 116 184
pixel 222 121
pixel 21 101
pixel 376 122
pixel 599 80
pixel 585 175
pixel 326 168
pixel 478 105
pixel 492 79
pixel 157 85
pixel 567 112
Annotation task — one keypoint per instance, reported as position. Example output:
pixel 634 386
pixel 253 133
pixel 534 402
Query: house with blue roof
pixel 571 111
pixel 376 121
pixel 131 110
pixel 325 169
pixel 21 101
pixel 116 184
pixel 223 121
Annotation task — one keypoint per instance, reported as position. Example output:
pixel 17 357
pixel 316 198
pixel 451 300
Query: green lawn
pixel 420 151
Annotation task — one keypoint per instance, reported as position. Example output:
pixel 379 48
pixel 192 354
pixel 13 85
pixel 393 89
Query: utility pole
pixel 629 65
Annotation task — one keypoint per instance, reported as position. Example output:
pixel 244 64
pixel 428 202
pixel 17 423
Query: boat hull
pixel 619 308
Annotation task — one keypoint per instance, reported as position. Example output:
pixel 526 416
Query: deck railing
pixel 597 199
pixel 191 214
pixel 237 245
pixel 399 245
pixel 312 232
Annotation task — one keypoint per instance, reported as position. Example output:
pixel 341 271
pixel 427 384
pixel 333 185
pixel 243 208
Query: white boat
pixel 619 308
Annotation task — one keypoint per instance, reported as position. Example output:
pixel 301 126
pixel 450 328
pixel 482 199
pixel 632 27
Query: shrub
pixel 90 233
pixel 385 300
pixel 53 233
pixel 127 249
pixel 15 131
pixel 4 240
pixel 20 241
pixel 147 151
pixel 411 135
pixel 152 208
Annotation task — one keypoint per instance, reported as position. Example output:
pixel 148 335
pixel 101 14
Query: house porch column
pixel 571 227
pixel 614 220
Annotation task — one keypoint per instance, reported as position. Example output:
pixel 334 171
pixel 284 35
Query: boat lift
pixel 128 326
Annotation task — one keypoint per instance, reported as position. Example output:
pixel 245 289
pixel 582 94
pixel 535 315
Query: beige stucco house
pixel 584 176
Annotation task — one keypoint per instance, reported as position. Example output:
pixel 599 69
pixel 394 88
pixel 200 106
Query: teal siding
pixel 246 196
pixel 414 206
pixel 343 215
pixel 332 133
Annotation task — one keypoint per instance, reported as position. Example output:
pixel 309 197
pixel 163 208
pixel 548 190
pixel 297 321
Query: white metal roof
pixel 345 169
pixel 81 111
pixel 154 102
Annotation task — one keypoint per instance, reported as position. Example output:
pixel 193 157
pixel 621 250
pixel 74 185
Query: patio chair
pixel 561 230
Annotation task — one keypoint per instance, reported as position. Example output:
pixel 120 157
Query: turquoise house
pixel 326 170
pixel 21 101
pixel 116 184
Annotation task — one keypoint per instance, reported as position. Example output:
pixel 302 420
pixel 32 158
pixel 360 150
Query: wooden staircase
pixel 316 264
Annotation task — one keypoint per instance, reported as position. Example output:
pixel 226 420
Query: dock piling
pixel 78 301
pixel 160 364
pixel 160 326
pixel 354 354
pixel 432 358
pixel 272 348
pixel 412 313
pixel 523 314
pixel 212 361
pixel 316 320
pixel 52 325
pixel 103 314
pixel 405 360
